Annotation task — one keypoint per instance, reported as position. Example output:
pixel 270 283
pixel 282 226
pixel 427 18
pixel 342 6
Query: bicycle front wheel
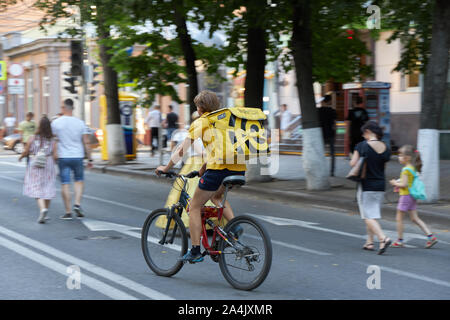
pixel 164 241
pixel 246 263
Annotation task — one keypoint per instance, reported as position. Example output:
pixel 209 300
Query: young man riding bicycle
pixel 212 173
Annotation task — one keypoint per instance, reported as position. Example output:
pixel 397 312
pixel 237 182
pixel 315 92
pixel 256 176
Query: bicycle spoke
pixel 246 263
pixel 162 256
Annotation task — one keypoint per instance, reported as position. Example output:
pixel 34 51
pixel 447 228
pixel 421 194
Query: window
pixel 413 79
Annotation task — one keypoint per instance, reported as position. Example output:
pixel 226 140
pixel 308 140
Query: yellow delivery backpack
pixel 237 134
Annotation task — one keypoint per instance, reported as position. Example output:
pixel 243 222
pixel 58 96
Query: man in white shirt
pixel 153 121
pixel 285 119
pixel 10 124
pixel 73 144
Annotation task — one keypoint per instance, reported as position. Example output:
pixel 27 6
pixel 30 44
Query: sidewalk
pixel 289 184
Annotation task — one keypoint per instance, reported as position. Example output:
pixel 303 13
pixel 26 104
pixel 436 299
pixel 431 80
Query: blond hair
pixel 207 101
pixel 413 153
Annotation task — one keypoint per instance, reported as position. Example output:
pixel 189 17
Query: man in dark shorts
pixel 327 116
pixel 358 117
pixel 172 125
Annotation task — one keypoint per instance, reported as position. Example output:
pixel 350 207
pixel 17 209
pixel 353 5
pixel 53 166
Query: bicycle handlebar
pixel 172 174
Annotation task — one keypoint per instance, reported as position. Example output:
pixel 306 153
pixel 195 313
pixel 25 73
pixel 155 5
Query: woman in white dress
pixel 40 174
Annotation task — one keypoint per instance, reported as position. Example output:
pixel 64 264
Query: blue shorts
pixel 67 165
pixel 170 132
pixel 212 179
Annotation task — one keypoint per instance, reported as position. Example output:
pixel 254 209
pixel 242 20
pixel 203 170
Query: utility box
pixel 127 120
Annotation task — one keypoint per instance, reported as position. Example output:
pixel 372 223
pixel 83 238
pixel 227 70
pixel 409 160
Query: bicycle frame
pixel 207 213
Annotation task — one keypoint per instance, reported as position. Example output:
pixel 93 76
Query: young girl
pixel 407 156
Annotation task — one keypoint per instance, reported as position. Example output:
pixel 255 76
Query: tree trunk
pixel 255 66
pixel 314 160
pixel 188 51
pixel 433 99
pixel 257 170
pixel 115 135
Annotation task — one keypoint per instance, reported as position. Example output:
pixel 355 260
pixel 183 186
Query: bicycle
pixel 165 240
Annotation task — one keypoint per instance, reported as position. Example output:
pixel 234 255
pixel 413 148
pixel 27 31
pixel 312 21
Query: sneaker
pixel 67 216
pixel 191 258
pixel 78 211
pixel 237 231
pixel 431 242
pixel 397 244
pixel 43 216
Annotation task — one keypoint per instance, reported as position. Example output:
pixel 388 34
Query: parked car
pixel 13 142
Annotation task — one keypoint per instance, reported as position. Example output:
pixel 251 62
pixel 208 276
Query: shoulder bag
pixel 358 172
pixel 40 159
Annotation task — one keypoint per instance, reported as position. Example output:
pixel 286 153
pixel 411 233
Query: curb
pixel 284 196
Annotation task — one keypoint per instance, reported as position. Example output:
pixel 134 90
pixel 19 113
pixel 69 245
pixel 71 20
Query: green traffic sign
pixel 3 70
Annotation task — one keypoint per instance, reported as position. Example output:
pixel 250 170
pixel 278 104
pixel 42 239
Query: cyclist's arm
pixel 202 170
pixel 177 155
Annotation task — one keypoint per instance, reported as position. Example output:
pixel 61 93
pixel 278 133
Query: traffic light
pixel 350 34
pixel 76 48
pixel 71 81
pixel 93 82
pixel 95 74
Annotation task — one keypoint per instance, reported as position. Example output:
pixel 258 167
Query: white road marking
pixel 97 225
pixel 18 164
pixel 313 225
pixel 12 179
pixel 117 204
pixel 150 293
pixel 292 246
pixel 86 280
pixel 153 240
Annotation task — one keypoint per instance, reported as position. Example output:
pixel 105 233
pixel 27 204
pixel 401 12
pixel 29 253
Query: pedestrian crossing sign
pixel 2 70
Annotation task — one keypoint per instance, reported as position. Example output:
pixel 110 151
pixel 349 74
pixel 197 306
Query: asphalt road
pixel 317 250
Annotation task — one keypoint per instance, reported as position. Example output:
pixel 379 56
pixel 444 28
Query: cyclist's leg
pixel 195 219
pixel 217 199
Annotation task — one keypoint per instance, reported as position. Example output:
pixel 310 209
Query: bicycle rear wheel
pixel 162 249
pixel 246 264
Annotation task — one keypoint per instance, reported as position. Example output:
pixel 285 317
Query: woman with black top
pixel 371 189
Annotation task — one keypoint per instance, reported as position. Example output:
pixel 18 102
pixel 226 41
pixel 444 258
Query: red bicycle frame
pixel 208 213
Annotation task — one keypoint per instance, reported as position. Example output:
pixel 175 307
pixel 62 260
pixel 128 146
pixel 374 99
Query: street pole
pixel 160 146
pixel 2 97
pixel 83 94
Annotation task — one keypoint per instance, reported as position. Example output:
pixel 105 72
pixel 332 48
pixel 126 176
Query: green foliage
pixel 334 55
pixel 411 23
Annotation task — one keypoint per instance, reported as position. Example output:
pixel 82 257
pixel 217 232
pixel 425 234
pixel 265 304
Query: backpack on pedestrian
pixel 417 189
pixel 40 159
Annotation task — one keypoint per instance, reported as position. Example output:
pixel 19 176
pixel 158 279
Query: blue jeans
pixel 67 165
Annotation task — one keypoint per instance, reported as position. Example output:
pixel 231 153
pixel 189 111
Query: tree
pixel 313 147
pixel 319 49
pixel 103 14
pixel 252 29
pixel 317 31
pixel 168 42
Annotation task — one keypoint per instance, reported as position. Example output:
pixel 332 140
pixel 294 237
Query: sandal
pixel 386 242
pixel 369 247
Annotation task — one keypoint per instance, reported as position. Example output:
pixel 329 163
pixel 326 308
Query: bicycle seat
pixel 234 181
